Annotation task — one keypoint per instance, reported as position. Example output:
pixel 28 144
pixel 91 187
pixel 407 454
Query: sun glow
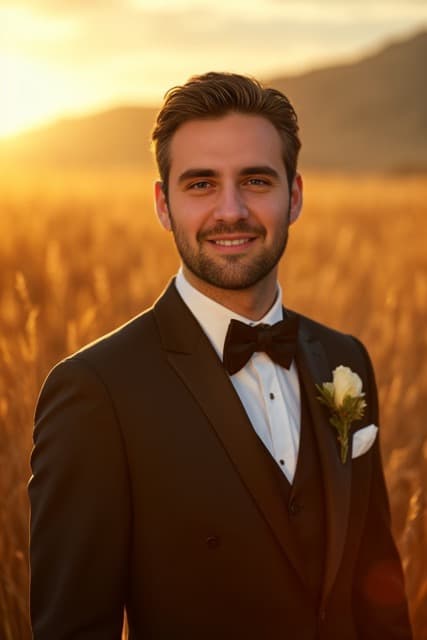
pixel 59 58
pixel 31 82
pixel 25 101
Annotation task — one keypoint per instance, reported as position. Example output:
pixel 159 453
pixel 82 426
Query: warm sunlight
pixel 32 80
pixel 58 57
pixel 30 94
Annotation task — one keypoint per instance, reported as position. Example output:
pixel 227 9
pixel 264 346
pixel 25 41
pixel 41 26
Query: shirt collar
pixel 214 318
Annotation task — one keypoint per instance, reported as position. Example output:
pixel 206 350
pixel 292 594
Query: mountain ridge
pixel 366 115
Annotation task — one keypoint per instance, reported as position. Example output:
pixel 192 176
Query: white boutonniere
pixel 344 397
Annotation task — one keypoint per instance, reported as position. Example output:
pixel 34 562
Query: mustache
pixel 241 226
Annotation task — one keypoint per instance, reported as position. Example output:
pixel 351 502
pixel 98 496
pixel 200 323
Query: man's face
pixel 228 205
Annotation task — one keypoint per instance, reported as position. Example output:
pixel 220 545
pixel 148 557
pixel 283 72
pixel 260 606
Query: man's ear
pixel 162 208
pixel 296 199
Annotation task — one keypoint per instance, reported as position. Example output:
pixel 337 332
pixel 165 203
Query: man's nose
pixel 230 205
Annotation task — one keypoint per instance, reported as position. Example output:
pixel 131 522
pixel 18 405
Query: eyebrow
pixel 197 173
pixel 265 170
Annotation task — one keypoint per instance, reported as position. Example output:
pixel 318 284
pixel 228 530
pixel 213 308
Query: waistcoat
pixel 304 501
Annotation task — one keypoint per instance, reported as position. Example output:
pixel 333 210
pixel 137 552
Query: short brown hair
pixel 213 95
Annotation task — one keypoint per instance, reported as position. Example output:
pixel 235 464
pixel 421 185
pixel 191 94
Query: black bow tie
pixel 278 341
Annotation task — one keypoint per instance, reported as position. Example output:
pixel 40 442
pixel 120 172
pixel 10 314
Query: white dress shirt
pixel 269 393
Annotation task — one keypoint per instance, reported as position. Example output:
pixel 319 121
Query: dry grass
pixel 81 254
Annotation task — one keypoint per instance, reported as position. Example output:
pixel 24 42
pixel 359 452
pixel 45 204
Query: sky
pixel 64 57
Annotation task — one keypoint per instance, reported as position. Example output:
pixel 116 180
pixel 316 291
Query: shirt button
pixel 271 396
pixel 213 542
pixel 294 507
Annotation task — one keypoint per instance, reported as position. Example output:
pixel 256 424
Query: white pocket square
pixel 363 439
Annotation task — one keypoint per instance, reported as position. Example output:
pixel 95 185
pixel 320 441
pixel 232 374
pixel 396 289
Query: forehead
pixel 232 141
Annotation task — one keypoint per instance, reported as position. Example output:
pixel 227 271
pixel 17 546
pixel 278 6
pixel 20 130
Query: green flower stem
pixel 343 440
pixel 352 408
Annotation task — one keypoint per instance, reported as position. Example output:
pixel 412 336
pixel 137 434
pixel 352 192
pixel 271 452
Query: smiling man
pixel 184 468
pixel 229 205
pixel 232 205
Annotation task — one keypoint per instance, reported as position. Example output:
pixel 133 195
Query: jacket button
pixel 294 507
pixel 322 614
pixel 213 542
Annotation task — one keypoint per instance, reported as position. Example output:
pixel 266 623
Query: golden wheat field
pixel 80 254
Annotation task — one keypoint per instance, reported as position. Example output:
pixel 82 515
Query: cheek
pixel 187 222
pixel 191 213
pixel 270 202
pixel 270 211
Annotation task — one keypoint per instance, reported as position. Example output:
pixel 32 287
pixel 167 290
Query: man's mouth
pixel 232 243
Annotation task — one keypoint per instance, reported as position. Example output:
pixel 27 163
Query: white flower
pixel 344 399
pixel 346 383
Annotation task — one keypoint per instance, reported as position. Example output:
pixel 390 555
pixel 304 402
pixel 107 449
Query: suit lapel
pixel 314 369
pixel 196 363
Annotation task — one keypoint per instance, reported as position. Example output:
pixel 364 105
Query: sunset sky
pixel 61 57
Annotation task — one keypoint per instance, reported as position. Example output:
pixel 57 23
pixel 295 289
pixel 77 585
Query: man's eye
pixel 258 182
pixel 200 185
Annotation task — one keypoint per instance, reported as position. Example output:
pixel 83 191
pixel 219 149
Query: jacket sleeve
pixel 380 603
pixel 80 510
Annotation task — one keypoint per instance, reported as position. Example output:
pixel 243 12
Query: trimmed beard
pixel 228 271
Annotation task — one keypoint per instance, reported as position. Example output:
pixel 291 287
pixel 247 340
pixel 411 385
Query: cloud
pixel 371 4
pixel 116 32
pixel 90 30
pixel 61 6
pixel 138 48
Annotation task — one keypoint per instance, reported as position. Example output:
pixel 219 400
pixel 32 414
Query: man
pixel 197 485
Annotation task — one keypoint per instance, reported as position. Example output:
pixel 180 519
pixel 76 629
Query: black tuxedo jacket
pixel 152 492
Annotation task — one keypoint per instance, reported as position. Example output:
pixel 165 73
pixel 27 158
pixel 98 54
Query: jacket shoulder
pixel 140 330
pixel 134 342
pixel 341 348
pixel 314 328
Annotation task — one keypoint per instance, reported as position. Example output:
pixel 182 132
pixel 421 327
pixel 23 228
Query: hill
pixel 366 115
pixel 117 137
pixel 371 114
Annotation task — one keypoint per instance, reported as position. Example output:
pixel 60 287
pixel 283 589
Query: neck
pixel 251 303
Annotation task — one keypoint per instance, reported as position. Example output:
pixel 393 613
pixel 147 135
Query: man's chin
pixel 240 280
